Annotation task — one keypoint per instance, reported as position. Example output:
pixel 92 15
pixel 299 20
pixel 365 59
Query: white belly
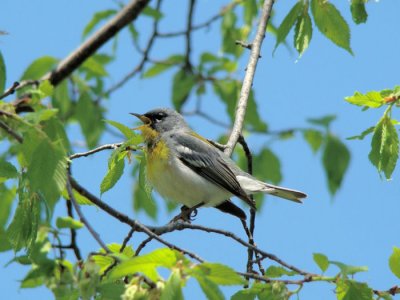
pixel 180 184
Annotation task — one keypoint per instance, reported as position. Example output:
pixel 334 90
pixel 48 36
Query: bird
pixel 184 167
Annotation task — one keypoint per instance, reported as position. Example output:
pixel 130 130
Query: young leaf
pixel 96 19
pixel 330 23
pixel 39 67
pixel 61 99
pixel 151 12
pixel 371 99
pixel 253 119
pixel 125 130
pixel 182 85
pixel 2 74
pixel 116 165
pixel 302 32
pixel 347 269
pixel 93 67
pixel 219 274
pixel 288 23
pixel 358 12
pixel 7 198
pixel 363 134
pixel 314 138
pixel 144 201
pixel 164 65
pixel 278 271
pixel 350 289
pixel 173 287
pixel 209 288
pixel 68 222
pixel 384 147
pixel 321 260
pixel 336 158
pixel 394 262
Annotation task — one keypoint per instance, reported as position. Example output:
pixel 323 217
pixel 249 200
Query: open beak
pixel 142 118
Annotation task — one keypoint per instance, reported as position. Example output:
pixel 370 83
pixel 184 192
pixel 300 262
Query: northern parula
pixel 184 167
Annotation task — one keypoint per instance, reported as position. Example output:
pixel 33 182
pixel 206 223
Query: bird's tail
pixel 285 193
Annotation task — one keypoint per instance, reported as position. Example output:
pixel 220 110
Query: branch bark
pixel 249 76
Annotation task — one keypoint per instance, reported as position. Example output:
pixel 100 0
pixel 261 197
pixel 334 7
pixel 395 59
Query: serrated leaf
pixel 173 287
pixel 302 32
pixel 125 130
pixel 353 290
pixel 394 262
pixel 288 23
pixel 164 65
pixel 143 199
pixel 209 288
pixel 116 167
pixel 348 269
pixel 384 147
pixel 2 74
pixel 330 23
pixel 146 264
pixel 182 85
pixel 363 134
pixel 336 158
pixel 371 99
pixel 96 19
pixel 7 170
pixel 219 274
pixel 278 271
pixel 68 222
pixel 314 138
pixel 321 260
pixel 39 67
pixel 267 166
pixel 358 12
pixel 246 294
pixel 7 196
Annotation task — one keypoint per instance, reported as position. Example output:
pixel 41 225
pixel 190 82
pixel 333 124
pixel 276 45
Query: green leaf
pixel 277 271
pixel 90 116
pixel 209 288
pixel 336 158
pixel 68 222
pixel 116 165
pixel 302 32
pixel 153 13
pixel 244 295
pixel 94 68
pixel 323 121
pixel 288 23
pixel 228 91
pixel 39 67
pixel 143 199
pixel 173 287
pixel 2 74
pixel 219 274
pixel 253 119
pixel 347 269
pixel 96 19
pixel 394 262
pixel 7 170
pixel 7 198
pixel 273 291
pixel 267 166
pixel 371 99
pixel 249 11
pixel 111 290
pixel 125 130
pixel 146 264
pixel 353 290
pixel 330 23
pixel 363 134
pixel 314 138
pixel 384 147
pixel 46 88
pixel 61 99
pixel 23 228
pixel 358 12
pixel 321 260
pixel 164 65
pixel 182 85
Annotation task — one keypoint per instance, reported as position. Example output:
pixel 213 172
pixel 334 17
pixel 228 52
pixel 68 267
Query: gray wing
pixel 208 162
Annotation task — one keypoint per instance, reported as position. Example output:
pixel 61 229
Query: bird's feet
pixel 187 214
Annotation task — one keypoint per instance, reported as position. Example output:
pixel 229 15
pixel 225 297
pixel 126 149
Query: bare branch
pixel 188 64
pixel 249 76
pixel 73 244
pixel 10 90
pixel 98 149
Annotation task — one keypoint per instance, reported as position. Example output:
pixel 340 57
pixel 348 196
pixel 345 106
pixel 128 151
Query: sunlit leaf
pixel 219 274
pixel 358 12
pixel 384 147
pixel 372 99
pixel 125 130
pixel 348 269
pixel 353 290
pixel 182 85
pixel 330 23
pixel 314 138
pixel 173 287
pixel 394 262
pixel 209 288
pixel 39 67
pixel 335 158
pixel 7 170
pixel 116 165
pixel 321 260
pixel 68 222
pixel 278 271
pixel 302 32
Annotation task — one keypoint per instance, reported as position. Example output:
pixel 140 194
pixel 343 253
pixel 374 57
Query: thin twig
pixel 11 132
pixel 142 245
pixel 83 219
pixel 188 64
pixel 73 244
pixel 249 76
pixel 10 90
pixel 95 150
pixel 126 240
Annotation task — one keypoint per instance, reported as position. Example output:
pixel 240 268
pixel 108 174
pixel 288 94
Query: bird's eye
pixel 158 117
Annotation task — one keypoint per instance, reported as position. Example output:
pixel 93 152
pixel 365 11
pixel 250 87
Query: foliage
pixel 36 162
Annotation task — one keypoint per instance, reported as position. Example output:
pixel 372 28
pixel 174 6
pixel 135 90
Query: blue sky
pixel 359 226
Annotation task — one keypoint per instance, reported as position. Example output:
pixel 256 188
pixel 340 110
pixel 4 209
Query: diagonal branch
pixel 249 76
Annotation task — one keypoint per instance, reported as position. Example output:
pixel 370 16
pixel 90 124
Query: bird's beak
pixel 142 118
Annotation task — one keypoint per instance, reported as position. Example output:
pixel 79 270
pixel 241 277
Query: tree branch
pixel 98 149
pixel 11 132
pixel 249 76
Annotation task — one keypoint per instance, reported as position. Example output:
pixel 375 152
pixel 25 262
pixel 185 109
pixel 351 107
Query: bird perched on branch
pixel 186 168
